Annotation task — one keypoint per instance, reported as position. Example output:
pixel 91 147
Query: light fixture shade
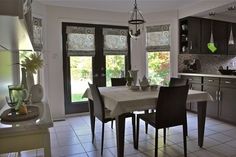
pixel 136 23
pixel 211 45
pixel 231 37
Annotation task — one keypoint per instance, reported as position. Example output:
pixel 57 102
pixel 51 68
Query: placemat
pixel 12 116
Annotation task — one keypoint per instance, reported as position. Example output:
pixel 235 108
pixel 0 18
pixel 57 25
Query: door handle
pixel 103 75
pixel 227 82
pixel 95 75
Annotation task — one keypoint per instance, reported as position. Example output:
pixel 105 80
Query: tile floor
pixel 72 138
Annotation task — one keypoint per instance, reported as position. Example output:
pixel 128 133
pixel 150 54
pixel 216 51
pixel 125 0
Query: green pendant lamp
pixel 211 45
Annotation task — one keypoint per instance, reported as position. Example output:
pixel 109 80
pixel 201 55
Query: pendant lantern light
pixel 136 22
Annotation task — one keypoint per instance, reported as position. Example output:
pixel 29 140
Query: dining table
pixel 121 99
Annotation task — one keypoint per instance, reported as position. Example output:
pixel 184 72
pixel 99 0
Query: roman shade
pixel 37 34
pixel 158 38
pixel 115 41
pixel 80 41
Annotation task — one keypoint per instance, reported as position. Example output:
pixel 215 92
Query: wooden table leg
pixel 92 117
pixel 201 109
pixel 120 132
pixel 47 145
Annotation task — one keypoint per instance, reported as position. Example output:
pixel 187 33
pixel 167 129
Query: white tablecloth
pixel 123 100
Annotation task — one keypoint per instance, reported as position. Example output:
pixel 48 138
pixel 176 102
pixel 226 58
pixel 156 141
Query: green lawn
pixel 78 97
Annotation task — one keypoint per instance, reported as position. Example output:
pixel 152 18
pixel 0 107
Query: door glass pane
pixel 81 74
pixel 158 67
pixel 115 67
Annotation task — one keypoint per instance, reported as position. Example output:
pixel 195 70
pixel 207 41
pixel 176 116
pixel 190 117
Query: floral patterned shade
pixel 115 41
pixel 37 34
pixel 158 38
pixel 80 41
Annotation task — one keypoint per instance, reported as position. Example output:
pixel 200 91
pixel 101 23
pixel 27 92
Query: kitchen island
pixel 28 134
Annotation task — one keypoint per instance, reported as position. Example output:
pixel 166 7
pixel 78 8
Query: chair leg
pixel 156 143
pixel 184 138
pixel 164 135
pixel 102 138
pixel 93 128
pixel 137 132
pixel 112 124
pixel 186 130
pixel 146 124
pixel 133 124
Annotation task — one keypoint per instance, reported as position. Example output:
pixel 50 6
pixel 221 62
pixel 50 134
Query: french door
pixel 92 53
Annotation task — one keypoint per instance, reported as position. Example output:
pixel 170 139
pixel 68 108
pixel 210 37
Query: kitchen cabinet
pixel 211 85
pixel 223 91
pixel 189 35
pixel 232 48
pixel 227 96
pixel 195 34
pixel 220 36
pixel 205 35
pixel 195 83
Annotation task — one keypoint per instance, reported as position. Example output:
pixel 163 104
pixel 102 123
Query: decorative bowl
pixel 226 71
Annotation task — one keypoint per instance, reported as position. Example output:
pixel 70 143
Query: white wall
pixel 57 15
pixel 53 49
pixel 39 11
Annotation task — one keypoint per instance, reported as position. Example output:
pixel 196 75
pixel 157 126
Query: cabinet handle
pixel 219 95
pixel 190 79
pixel 227 82
pixel 190 45
pixel 210 80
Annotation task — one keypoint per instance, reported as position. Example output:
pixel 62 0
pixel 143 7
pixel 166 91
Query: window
pixel 115 49
pixel 158 54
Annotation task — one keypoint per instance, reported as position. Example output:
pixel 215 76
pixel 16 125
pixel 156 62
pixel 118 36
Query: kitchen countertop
pixel 208 75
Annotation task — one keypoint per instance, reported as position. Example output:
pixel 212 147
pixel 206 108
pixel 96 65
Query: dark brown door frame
pixel 98 62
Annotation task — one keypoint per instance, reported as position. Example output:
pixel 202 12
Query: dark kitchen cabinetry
pixel 189 35
pixel 232 48
pixel 223 92
pixel 220 36
pixel 211 85
pixel 227 97
pixel 205 35
pixel 195 83
pixel 195 34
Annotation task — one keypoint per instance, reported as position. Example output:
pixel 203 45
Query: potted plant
pixel 31 65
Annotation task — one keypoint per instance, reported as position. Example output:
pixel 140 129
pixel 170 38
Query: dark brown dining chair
pixel 170 112
pixel 104 114
pixel 118 81
pixel 173 83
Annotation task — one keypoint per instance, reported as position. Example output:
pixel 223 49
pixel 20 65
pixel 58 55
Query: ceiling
pixel 146 6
